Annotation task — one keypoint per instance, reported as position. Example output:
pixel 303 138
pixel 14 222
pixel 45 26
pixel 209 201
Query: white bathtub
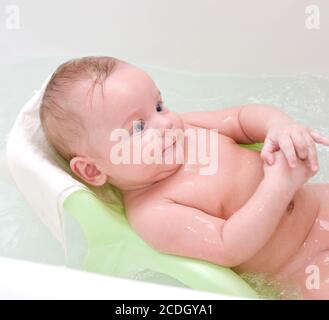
pixel 195 40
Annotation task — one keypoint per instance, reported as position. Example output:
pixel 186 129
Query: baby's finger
pixel 312 152
pixel 288 149
pixel 268 157
pixel 300 145
pixel 267 151
pixel 318 138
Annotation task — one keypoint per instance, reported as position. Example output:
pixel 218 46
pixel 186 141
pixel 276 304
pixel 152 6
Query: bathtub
pixel 203 54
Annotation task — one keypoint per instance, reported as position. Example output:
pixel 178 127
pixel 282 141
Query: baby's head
pixel 85 100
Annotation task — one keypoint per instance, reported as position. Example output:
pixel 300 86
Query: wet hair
pixel 61 122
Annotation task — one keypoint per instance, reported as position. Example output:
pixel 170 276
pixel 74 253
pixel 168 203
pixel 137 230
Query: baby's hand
pixel 280 172
pixel 293 138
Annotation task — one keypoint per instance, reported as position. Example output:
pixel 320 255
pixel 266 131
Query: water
pixel 304 97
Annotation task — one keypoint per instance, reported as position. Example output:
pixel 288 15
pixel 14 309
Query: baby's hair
pixel 60 122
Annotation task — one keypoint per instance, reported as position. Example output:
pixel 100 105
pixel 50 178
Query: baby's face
pixel 130 101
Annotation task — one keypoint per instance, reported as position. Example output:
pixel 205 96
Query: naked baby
pixel 254 213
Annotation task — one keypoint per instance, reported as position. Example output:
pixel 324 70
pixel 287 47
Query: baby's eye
pixel 159 107
pixel 138 126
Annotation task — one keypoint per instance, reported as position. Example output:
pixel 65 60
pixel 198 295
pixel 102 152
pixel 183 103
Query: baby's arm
pixel 177 229
pixel 258 123
pixel 244 124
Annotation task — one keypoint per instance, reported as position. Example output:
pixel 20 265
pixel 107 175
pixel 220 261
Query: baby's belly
pixel 289 235
pixel 317 239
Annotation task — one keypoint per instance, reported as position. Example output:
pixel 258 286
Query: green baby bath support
pixel 113 248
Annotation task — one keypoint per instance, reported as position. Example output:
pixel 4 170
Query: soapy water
pixel 267 288
pixel 303 97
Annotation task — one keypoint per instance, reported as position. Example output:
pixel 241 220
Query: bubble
pixel 269 288
pixel 324 224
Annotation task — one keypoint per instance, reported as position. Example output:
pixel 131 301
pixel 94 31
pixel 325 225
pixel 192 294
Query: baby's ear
pixel 87 171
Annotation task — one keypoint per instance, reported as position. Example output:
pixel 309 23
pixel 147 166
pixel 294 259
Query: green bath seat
pixel 112 247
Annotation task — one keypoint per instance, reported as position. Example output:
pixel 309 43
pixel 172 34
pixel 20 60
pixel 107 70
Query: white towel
pixel 43 182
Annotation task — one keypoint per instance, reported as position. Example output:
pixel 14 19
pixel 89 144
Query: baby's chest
pixel 219 187
pixel 205 193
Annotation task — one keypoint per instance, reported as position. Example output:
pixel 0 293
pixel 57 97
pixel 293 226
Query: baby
pixel 255 213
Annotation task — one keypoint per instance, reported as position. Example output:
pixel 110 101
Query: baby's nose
pixel 168 125
pixel 164 124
